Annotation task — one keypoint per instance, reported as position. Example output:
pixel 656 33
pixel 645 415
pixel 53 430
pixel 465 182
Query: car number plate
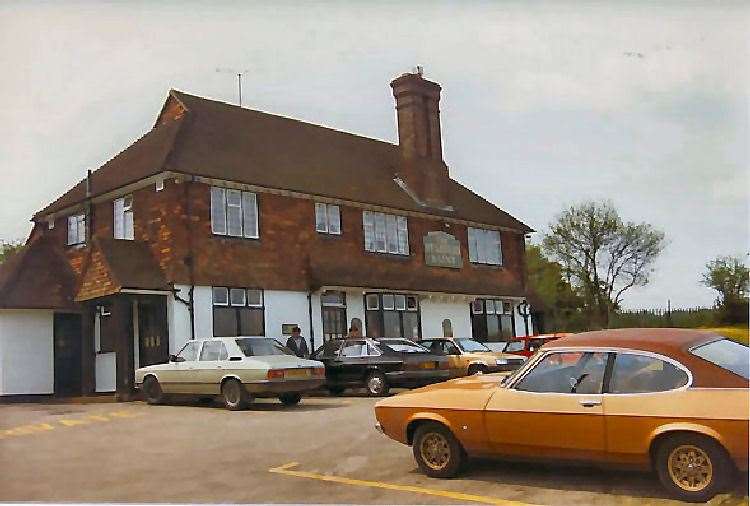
pixel 427 365
pixel 297 373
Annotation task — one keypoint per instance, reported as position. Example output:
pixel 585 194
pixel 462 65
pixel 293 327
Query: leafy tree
pixel 729 276
pixel 601 255
pixel 561 302
pixel 7 248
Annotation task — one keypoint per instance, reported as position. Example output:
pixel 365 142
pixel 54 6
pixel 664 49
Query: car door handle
pixel 590 403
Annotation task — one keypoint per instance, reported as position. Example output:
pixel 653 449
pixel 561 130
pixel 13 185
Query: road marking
pixel 34 428
pixel 286 469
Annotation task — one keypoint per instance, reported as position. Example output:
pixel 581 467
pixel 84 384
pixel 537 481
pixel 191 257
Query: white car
pixel 237 368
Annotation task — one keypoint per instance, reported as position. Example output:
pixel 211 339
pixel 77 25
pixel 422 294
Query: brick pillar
pixel 122 313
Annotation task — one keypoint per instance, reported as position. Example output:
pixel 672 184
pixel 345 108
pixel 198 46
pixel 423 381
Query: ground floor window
pixel 238 312
pixel 333 310
pixel 492 320
pixel 392 315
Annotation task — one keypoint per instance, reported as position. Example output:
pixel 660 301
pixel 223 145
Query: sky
pixel 545 104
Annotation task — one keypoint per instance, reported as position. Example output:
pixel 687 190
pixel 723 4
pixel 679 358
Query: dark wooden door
pixel 67 351
pixel 153 337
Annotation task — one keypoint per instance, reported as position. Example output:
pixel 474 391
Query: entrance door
pixel 67 351
pixel 153 340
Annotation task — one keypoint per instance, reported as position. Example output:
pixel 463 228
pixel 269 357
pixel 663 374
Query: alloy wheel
pixel 690 468
pixel 435 450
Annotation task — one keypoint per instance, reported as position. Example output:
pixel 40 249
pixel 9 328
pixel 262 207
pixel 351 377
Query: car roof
pixel 669 342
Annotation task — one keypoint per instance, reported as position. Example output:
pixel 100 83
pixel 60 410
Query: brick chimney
pixel 418 115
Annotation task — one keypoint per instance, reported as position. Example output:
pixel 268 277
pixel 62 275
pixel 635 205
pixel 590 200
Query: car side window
pixel 434 346
pixel 354 349
pixel 451 349
pixel 634 373
pixel 566 372
pixel 213 350
pixel 189 352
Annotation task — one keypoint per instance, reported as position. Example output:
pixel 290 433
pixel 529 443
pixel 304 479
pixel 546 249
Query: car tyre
pixel 376 384
pixel 437 451
pixel 234 394
pixel 290 399
pixel 692 467
pixel 152 391
pixel 336 390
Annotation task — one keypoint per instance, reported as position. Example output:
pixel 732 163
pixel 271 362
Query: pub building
pixel 226 221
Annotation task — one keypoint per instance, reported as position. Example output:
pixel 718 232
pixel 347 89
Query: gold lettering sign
pixel 442 250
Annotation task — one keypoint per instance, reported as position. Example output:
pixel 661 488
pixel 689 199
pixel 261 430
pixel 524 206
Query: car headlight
pixel 501 361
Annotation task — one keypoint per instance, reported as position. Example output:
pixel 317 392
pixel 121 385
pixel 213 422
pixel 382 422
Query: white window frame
pixel 260 292
pixel 385 233
pixel 76 229
pixel 159 185
pixel 123 226
pixel 248 213
pixel 485 246
pixel 327 218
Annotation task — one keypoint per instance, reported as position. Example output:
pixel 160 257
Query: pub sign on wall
pixel 442 250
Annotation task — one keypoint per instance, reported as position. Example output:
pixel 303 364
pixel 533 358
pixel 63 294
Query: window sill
pixel 494 267
pixel 236 237
pixel 395 256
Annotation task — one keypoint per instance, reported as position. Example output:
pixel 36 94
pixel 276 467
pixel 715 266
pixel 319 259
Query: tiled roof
pixel 217 140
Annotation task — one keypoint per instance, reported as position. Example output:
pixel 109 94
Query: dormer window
pixel 123 212
pixel 76 229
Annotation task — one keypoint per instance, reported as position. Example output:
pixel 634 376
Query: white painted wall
pixel 178 319
pixel 26 352
pixel 436 309
pixel 520 329
pixel 355 307
pixel 287 307
pixel 204 316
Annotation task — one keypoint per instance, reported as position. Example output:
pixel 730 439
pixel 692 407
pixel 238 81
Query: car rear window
pixel 471 345
pixel 514 346
pixel 259 347
pixel 403 346
pixel 727 354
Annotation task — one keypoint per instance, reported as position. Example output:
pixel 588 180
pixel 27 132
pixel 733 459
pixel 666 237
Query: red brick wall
pixel 290 254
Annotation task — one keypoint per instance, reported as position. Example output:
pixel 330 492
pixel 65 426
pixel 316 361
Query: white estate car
pixel 237 368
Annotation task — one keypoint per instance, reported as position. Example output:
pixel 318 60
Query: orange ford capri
pixel 671 400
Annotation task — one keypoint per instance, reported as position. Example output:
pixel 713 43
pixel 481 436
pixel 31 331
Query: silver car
pixel 236 368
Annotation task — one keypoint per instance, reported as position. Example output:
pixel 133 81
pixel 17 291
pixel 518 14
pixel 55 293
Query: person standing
pixel 297 343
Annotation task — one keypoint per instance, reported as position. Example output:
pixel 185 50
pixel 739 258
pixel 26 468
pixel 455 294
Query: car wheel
pixel 376 383
pixel 336 390
pixel 475 368
pixel 290 399
pixel 152 391
pixel 235 395
pixel 437 451
pixel 692 468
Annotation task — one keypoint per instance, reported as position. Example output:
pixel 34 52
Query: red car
pixel 527 345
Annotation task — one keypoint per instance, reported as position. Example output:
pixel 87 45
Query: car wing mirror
pixel 176 358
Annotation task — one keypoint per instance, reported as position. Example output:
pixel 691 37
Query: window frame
pixel 80 223
pixel 479 241
pixel 521 373
pixel 246 198
pixel 326 212
pixel 122 208
pixel 377 315
pixel 378 224
pixel 237 308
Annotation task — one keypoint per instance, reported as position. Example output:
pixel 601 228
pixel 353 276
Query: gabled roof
pixel 117 264
pixel 217 140
pixel 37 277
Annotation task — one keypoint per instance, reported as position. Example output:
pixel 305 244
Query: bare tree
pixel 602 255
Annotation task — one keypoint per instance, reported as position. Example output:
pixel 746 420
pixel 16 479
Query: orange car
pixel 672 400
pixel 467 356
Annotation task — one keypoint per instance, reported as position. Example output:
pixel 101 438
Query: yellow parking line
pixel 35 428
pixel 286 469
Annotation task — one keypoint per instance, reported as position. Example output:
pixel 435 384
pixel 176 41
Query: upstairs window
pixel 327 219
pixel 485 247
pixel 385 233
pixel 124 218
pixel 76 229
pixel 234 213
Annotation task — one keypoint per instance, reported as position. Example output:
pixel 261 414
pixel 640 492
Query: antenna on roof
pixel 419 70
pixel 239 74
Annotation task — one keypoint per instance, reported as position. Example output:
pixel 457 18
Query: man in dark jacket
pixel 297 344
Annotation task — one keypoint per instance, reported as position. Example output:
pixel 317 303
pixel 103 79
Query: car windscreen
pixel 727 354
pixel 470 345
pixel 402 346
pixel 514 346
pixel 259 347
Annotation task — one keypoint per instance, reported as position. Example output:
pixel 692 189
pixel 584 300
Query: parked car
pixel 672 400
pixel 236 368
pixel 467 356
pixel 379 364
pixel 527 345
